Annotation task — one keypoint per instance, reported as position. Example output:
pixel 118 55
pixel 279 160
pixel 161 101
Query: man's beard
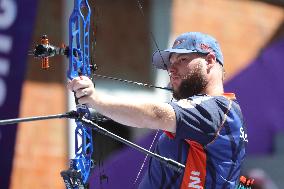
pixel 193 84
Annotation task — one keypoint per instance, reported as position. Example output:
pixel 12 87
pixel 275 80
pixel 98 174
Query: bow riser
pixel 79 64
pixel 77 176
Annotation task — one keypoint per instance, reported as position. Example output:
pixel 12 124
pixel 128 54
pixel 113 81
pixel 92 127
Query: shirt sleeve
pixel 197 119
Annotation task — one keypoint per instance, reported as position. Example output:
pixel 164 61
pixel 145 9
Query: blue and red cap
pixel 191 42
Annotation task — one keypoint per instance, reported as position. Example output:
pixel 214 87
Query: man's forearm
pixel 135 113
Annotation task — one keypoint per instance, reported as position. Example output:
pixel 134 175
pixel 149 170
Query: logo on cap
pixel 206 47
pixel 178 42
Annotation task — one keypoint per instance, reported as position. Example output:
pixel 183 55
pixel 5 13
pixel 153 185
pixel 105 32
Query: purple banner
pixel 16 26
pixel 260 91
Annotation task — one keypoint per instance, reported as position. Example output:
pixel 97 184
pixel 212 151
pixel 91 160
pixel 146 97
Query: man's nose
pixel 172 68
pixel 172 65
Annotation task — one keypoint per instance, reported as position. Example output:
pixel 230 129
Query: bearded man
pixel 203 126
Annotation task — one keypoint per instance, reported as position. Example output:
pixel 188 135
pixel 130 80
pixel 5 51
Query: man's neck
pixel 214 90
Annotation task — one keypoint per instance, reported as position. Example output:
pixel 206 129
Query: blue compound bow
pixel 78 174
pixel 78 53
pixel 79 64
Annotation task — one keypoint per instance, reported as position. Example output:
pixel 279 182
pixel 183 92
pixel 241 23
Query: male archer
pixel 204 127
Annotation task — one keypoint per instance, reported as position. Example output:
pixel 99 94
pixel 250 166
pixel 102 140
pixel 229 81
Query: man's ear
pixel 210 59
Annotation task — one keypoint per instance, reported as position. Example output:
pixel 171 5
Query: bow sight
pixel 44 51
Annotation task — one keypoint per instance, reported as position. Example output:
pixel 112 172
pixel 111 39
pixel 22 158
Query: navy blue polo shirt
pixel 217 125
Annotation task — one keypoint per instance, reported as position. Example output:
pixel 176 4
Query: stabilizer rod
pixel 75 115
pixel 37 118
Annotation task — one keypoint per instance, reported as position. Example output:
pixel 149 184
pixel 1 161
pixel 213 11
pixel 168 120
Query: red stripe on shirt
pixel 195 168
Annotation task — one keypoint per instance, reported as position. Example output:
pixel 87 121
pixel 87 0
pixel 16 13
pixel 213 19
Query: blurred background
pixel 251 35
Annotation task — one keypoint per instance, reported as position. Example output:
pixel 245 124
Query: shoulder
pixel 193 101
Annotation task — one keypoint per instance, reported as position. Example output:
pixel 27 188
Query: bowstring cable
pixel 159 51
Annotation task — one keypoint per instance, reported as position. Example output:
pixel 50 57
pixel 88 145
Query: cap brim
pixel 161 59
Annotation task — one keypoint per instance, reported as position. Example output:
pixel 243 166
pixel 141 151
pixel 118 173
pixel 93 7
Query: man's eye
pixel 183 60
